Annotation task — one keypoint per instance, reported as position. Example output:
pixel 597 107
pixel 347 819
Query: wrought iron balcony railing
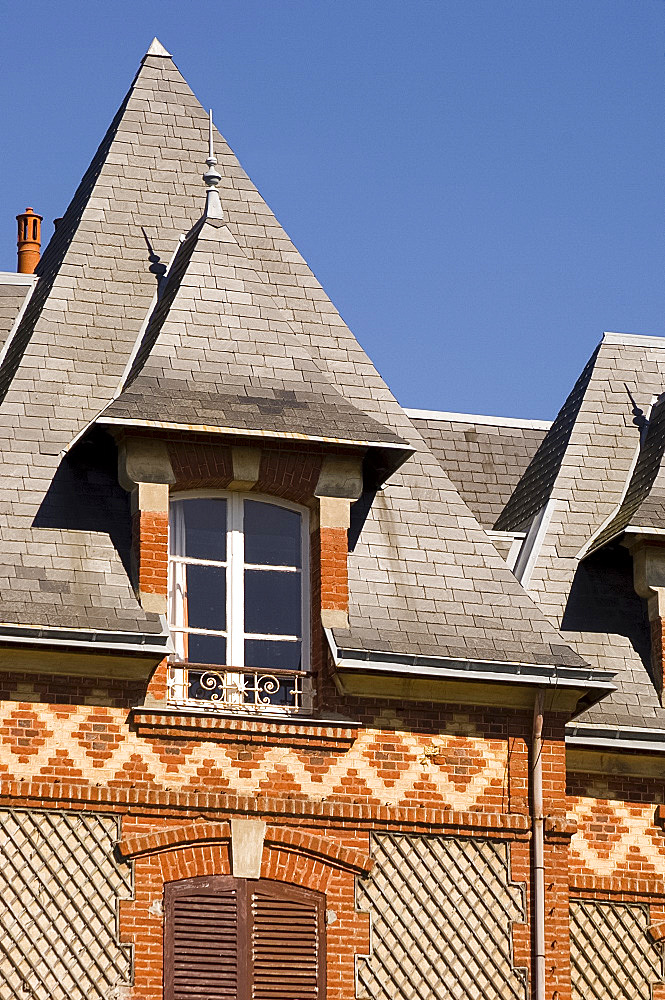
pixel 228 689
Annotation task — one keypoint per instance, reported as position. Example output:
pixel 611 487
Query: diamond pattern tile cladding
pixel 611 954
pixel 59 889
pixel 441 911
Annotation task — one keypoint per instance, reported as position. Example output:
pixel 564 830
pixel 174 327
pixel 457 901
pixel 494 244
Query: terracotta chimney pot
pixel 29 240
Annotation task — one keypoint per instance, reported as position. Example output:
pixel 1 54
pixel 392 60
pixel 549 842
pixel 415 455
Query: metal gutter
pixel 90 639
pixel 448 668
pixel 30 285
pixel 589 737
pixel 17 278
pixel 633 339
pixel 477 418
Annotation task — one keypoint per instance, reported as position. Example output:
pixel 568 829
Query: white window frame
pixel 235 568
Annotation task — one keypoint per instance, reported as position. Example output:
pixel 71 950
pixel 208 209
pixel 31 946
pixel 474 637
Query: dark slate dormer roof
pixel 534 488
pixel 484 457
pixel 639 507
pixel 220 355
pixel 423 576
pixel 599 482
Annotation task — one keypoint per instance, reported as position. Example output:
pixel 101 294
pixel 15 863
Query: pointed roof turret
pixel 242 324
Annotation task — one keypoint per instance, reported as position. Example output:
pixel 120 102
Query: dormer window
pixel 238 600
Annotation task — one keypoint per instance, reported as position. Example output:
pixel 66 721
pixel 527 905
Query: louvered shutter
pixel 234 939
pixel 202 933
pixel 287 943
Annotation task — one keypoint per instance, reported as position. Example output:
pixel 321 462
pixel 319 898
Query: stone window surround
pixel 329 484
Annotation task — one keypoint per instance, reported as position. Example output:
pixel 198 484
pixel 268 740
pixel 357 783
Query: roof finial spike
pixel 639 416
pixel 212 177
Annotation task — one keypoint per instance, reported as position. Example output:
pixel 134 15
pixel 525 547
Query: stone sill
pixel 293 731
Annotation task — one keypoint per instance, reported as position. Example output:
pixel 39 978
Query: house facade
pixel 304 694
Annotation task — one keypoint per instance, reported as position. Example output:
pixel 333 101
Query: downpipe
pixel 538 847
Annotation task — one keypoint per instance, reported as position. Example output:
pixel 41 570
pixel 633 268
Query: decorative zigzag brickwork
pixel 385 765
pixel 615 839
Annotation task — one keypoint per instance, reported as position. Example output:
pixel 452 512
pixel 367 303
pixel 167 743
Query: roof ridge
pixel 477 418
pixel 55 253
pixel 640 482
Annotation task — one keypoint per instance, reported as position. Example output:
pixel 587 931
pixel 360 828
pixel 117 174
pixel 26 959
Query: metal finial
pixel 639 417
pixel 212 177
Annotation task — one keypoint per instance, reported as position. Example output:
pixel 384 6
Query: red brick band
pixel 143 801
pixel 597 885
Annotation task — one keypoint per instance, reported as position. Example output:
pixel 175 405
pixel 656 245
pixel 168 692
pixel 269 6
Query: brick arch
pixel 199 849
pixel 280 839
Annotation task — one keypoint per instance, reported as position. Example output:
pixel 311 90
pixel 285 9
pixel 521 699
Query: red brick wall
pixel 424 768
pixel 619 844
pixel 416 768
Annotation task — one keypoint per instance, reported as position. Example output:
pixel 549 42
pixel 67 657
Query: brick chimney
pixel 29 240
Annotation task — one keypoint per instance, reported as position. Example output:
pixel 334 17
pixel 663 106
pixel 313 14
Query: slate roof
pixel 484 457
pixel 643 478
pixel 535 486
pixel 591 471
pixel 13 292
pixel 423 575
pixel 218 352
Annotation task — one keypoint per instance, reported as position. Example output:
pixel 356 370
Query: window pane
pixel 206 597
pixel 263 654
pixel 198 528
pixel 272 602
pixel 272 535
pixel 206 649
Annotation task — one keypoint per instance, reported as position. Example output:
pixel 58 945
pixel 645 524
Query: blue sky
pixel 478 184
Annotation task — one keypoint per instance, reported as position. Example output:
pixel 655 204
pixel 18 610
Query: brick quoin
pixel 334 549
pixel 150 532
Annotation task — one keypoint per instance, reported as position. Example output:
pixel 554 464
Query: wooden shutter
pixel 238 939
pixel 287 943
pixel 201 939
